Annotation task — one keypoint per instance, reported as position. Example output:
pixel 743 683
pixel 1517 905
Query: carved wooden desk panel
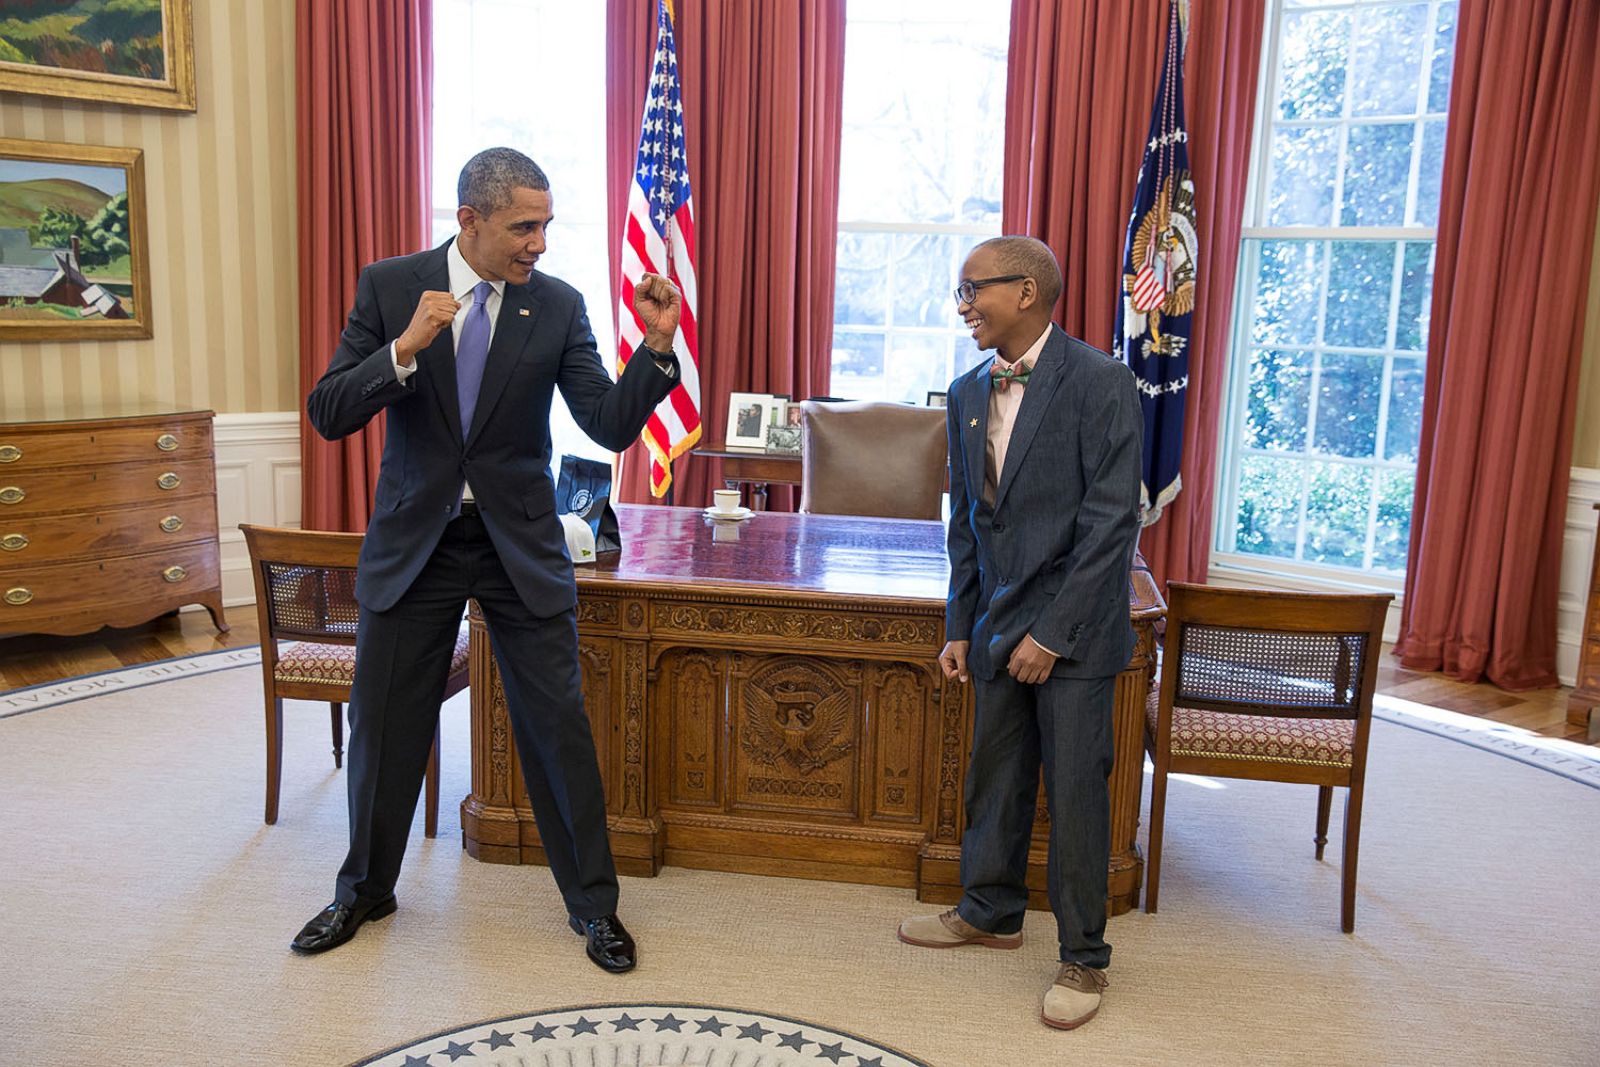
pixel 107 522
pixel 766 697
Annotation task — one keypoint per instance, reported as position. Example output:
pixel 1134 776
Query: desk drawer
pixel 34 599
pixel 93 489
pixel 32 450
pixel 30 541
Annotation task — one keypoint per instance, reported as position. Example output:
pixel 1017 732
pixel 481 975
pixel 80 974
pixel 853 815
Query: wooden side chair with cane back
pixel 1268 686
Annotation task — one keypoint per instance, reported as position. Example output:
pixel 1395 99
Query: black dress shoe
pixel 338 923
pixel 608 942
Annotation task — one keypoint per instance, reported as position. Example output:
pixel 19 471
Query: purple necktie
pixel 472 352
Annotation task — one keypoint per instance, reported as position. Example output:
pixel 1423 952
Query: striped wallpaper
pixel 220 187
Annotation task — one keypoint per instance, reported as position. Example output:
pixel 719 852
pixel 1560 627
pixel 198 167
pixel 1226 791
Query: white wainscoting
pixel 258 481
pixel 1577 553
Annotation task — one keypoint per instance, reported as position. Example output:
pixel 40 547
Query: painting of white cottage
pixel 65 242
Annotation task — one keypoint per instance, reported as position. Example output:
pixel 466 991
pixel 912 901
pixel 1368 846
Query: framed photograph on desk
pixel 749 415
pixel 935 400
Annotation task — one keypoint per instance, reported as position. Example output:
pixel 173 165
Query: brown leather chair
pixel 1268 686
pixel 865 457
pixel 305 593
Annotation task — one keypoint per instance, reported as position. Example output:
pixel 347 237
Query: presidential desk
pixel 766 698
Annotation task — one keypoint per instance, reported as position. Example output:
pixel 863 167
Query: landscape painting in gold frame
pixel 138 52
pixel 74 255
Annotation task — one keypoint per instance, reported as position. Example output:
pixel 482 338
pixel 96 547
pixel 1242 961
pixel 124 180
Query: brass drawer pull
pixel 174 574
pixel 19 595
pixel 172 524
pixel 11 495
pixel 169 481
pixel 10 453
pixel 14 542
pixel 167 443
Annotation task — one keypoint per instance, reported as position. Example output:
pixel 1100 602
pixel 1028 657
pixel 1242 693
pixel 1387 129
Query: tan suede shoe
pixel 950 930
pixel 1074 997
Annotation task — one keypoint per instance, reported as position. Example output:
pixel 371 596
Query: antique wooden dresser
pixel 107 522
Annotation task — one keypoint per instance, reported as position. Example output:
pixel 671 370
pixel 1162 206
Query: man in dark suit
pixel 463 346
pixel 1044 516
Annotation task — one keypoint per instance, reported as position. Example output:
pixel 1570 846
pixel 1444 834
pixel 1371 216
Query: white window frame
pixel 1227 565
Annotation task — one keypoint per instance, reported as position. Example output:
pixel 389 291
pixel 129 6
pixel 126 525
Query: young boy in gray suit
pixel 1044 516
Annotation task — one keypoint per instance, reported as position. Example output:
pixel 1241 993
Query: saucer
pixel 735 515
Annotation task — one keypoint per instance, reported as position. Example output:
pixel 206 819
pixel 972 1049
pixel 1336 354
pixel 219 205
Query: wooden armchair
pixel 1267 686
pixel 305 593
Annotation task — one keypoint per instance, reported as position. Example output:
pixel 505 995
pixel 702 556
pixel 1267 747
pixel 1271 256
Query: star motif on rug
pixel 712 1025
pixel 584 1026
pixel 834 1052
pixel 498 1040
pixel 626 1022
pixel 415 1061
pixel 795 1041
pixel 456 1051
pixel 540 1032
pixel 755 1032
pixel 669 1022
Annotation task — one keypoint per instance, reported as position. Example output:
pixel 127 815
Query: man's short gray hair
pixel 1029 256
pixel 490 177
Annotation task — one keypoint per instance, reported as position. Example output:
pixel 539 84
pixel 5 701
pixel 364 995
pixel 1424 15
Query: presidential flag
pixel 1158 276
pixel 658 237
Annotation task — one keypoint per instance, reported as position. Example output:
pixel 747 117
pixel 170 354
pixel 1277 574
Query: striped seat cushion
pixel 307 661
pixel 1220 735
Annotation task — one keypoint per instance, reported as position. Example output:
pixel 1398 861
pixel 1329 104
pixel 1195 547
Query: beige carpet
pixel 145 913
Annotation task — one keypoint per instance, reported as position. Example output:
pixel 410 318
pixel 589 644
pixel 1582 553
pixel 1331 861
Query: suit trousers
pixel 402 664
pixel 1065 723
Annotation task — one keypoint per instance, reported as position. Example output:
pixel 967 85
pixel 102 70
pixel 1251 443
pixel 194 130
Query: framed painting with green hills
pixel 74 258
pixel 119 51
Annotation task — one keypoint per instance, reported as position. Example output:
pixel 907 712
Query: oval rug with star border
pixel 644 1035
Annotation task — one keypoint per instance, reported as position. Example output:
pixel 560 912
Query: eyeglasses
pixel 967 291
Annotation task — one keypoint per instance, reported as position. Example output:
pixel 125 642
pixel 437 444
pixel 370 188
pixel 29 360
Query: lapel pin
pixel 523 312
pixel 973 424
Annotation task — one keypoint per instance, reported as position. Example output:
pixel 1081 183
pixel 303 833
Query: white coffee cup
pixel 727 500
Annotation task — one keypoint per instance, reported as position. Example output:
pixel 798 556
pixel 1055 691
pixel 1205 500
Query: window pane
pixel 1405 410
pixel 1392 536
pixel 1430 173
pixel 919 145
pixel 1314 46
pixel 1280 396
pixel 923 280
pixel 861 279
pixel 1347 405
pixel 915 365
pixel 1359 280
pixel 1416 292
pixel 1444 48
pixel 1269 505
pixel 857 364
pixel 1337 500
pixel 1287 283
pixel 1303 162
pixel 1386 60
pixel 1376 172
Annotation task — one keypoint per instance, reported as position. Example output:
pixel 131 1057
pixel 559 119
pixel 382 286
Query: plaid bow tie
pixel 1017 372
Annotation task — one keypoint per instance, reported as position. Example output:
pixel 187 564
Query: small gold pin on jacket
pixel 973 424
pixel 523 312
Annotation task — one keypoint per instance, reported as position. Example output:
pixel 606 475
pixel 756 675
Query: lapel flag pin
pixel 523 312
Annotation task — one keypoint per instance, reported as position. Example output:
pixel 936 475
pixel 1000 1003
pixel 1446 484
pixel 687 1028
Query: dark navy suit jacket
pixel 1051 556
pixel 541 340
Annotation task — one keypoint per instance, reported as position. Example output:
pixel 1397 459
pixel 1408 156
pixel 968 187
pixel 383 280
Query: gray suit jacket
pixel 1051 557
pixel 541 342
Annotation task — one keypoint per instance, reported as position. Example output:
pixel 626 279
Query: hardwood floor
pixel 29 660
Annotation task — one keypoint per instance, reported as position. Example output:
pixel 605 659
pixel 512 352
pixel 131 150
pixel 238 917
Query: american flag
pixel 659 237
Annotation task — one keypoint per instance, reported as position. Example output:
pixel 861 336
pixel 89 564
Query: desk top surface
pixel 835 555
pixel 840 555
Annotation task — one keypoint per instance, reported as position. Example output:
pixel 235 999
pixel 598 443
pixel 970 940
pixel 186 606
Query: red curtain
pixel 1521 177
pixel 365 111
pixel 1081 83
pixel 762 101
